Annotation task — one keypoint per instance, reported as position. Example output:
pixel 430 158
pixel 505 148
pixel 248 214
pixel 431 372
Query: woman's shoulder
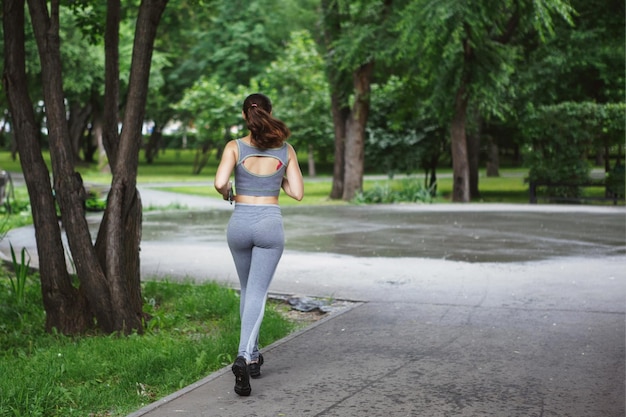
pixel 232 146
pixel 233 143
pixel 290 148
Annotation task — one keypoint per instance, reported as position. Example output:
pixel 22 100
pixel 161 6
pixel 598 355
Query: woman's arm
pixel 225 169
pixel 293 184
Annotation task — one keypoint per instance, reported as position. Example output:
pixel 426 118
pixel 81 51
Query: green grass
pixel 194 331
pixel 508 188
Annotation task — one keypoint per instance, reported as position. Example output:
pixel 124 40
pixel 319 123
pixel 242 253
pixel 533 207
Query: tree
pixel 581 62
pixel 301 95
pixel 109 292
pixel 243 37
pixel 560 138
pixel 469 47
pixel 182 64
pixel 83 74
pixel 230 48
pixel 403 131
pixel 212 110
pixel 355 33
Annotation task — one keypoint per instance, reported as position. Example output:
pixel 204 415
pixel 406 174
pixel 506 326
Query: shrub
pixel 559 140
pixel 411 190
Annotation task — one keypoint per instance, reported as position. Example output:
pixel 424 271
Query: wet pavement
pixel 463 310
pixel 460 310
pixel 478 234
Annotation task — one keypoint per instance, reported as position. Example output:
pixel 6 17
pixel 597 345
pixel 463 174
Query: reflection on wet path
pixel 388 231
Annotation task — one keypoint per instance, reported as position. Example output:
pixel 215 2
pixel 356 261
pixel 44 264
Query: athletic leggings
pixel 256 241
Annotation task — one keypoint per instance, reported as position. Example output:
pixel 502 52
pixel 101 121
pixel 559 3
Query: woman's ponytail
pixel 266 130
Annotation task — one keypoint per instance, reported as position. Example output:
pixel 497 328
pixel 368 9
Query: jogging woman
pixel 262 163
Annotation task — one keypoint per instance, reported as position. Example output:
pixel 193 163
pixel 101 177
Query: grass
pixel 194 331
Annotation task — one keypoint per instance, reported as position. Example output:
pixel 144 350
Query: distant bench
pixel 608 195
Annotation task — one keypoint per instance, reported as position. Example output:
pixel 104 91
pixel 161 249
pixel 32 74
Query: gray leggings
pixel 256 241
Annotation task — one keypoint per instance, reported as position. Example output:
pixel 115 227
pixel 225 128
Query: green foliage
pixel 193 331
pixel 365 34
pixel 82 57
pixel 298 88
pixel 213 109
pixel 89 18
pixel 21 269
pixel 23 320
pixel 242 37
pixel 95 202
pixel 296 84
pixel 403 135
pixel 409 190
pixel 15 212
pixel 560 139
pixel 473 49
pixel 584 62
pixel 616 181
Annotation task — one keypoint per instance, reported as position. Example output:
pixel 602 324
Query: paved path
pixel 543 336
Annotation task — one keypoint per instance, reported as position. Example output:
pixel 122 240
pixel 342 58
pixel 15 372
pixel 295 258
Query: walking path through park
pixel 459 310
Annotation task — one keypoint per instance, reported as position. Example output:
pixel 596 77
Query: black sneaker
pixel 255 367
pixel 242 377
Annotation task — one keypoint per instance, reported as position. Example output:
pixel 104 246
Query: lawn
pixel 193 331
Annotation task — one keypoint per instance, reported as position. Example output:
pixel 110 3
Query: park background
pixel 388 101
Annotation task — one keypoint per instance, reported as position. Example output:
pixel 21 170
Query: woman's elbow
pixel 220 186
pixel 298 193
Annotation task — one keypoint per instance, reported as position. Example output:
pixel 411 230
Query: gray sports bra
pixel 249 183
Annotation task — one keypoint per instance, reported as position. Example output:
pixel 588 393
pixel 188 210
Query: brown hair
pixel 265 130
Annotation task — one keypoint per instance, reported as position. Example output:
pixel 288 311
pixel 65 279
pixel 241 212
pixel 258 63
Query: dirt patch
pixel 307 310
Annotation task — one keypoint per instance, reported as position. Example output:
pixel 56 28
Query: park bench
pixel 610 195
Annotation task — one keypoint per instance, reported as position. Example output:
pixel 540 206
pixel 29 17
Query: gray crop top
pixel 248 183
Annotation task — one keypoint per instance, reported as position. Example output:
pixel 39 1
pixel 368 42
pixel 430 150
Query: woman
pixel 263 164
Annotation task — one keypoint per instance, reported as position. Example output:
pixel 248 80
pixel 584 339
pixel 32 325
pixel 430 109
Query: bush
pixel 559 140
pixel 410 190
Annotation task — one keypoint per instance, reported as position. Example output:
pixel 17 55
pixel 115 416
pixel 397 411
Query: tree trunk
pixel 65 306
pixel 108 272
pixel 79 117
pixel 152 147
pixel 460 165
pixel 340 120
pixel 339 82
pixel 355 132
pixel 430 172
pixel 458 138
pixel 67 183
pixel 94 139
pixel 110 120
pixel 120 232
pixel 473 156
pixel 201 158
pixel 493 158
pixel 311 161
